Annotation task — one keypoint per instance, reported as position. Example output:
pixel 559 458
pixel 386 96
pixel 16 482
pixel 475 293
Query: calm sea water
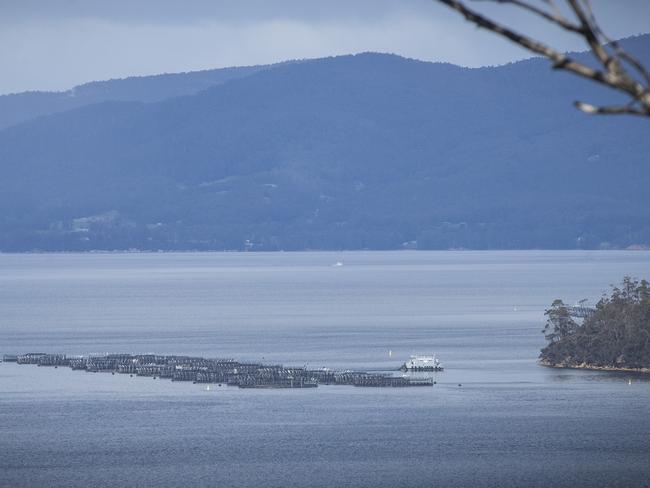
pixel 511 423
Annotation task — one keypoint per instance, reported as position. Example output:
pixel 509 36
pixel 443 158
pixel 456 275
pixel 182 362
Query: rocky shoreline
pixel 592 367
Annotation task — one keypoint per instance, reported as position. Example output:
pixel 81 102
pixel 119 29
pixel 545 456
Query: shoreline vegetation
pixel 593 367
pixel 612 336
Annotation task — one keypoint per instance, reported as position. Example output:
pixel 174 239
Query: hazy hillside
pixel 367 151
pixel 20 107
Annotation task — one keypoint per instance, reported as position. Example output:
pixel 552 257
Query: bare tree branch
pixel 620 52
pixel 556 17
pixel 590 36
pixel 592 109
pixel 612 73
pixel 635 63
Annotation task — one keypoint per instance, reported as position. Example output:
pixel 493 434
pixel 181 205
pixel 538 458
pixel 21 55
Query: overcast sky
pixel 56 44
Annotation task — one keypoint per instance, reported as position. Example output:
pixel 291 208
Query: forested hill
pixel 615 336
pixel 367 151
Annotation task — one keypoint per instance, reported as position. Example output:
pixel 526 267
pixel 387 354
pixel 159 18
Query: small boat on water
pixel 419 362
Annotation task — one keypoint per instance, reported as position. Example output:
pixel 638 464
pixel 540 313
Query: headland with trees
pixel 615 335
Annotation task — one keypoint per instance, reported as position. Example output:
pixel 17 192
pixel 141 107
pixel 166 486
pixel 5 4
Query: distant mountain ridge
pixel 367 151
pixel 19 107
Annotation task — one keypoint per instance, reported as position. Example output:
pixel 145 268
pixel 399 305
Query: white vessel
pixel 419 362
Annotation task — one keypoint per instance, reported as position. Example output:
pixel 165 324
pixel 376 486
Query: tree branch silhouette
pixel 617 69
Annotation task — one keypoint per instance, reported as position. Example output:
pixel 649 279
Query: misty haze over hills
pixel 20 107
pixel 368 151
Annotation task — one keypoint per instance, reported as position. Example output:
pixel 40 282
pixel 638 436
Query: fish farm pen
pixel 218 371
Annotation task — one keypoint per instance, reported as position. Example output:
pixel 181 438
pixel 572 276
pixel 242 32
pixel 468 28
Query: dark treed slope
pixel 616 336
pixel 20 107
pixel 367 151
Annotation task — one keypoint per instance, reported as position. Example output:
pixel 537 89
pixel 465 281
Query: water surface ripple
pixel 512 423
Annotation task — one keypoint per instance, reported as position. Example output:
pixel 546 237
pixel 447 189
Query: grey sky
pixel 55 44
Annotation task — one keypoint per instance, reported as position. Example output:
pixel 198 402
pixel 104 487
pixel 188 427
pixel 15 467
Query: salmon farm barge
pixel 216 371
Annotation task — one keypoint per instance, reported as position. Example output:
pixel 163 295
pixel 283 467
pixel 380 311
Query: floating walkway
pixel 217 371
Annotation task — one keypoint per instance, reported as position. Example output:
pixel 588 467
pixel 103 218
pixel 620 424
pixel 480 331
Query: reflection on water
pixel 626 377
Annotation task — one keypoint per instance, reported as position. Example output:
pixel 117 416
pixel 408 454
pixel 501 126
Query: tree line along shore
pixel 613 336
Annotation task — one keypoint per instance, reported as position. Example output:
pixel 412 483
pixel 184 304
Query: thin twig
pixel 556 17
pixel 590 36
